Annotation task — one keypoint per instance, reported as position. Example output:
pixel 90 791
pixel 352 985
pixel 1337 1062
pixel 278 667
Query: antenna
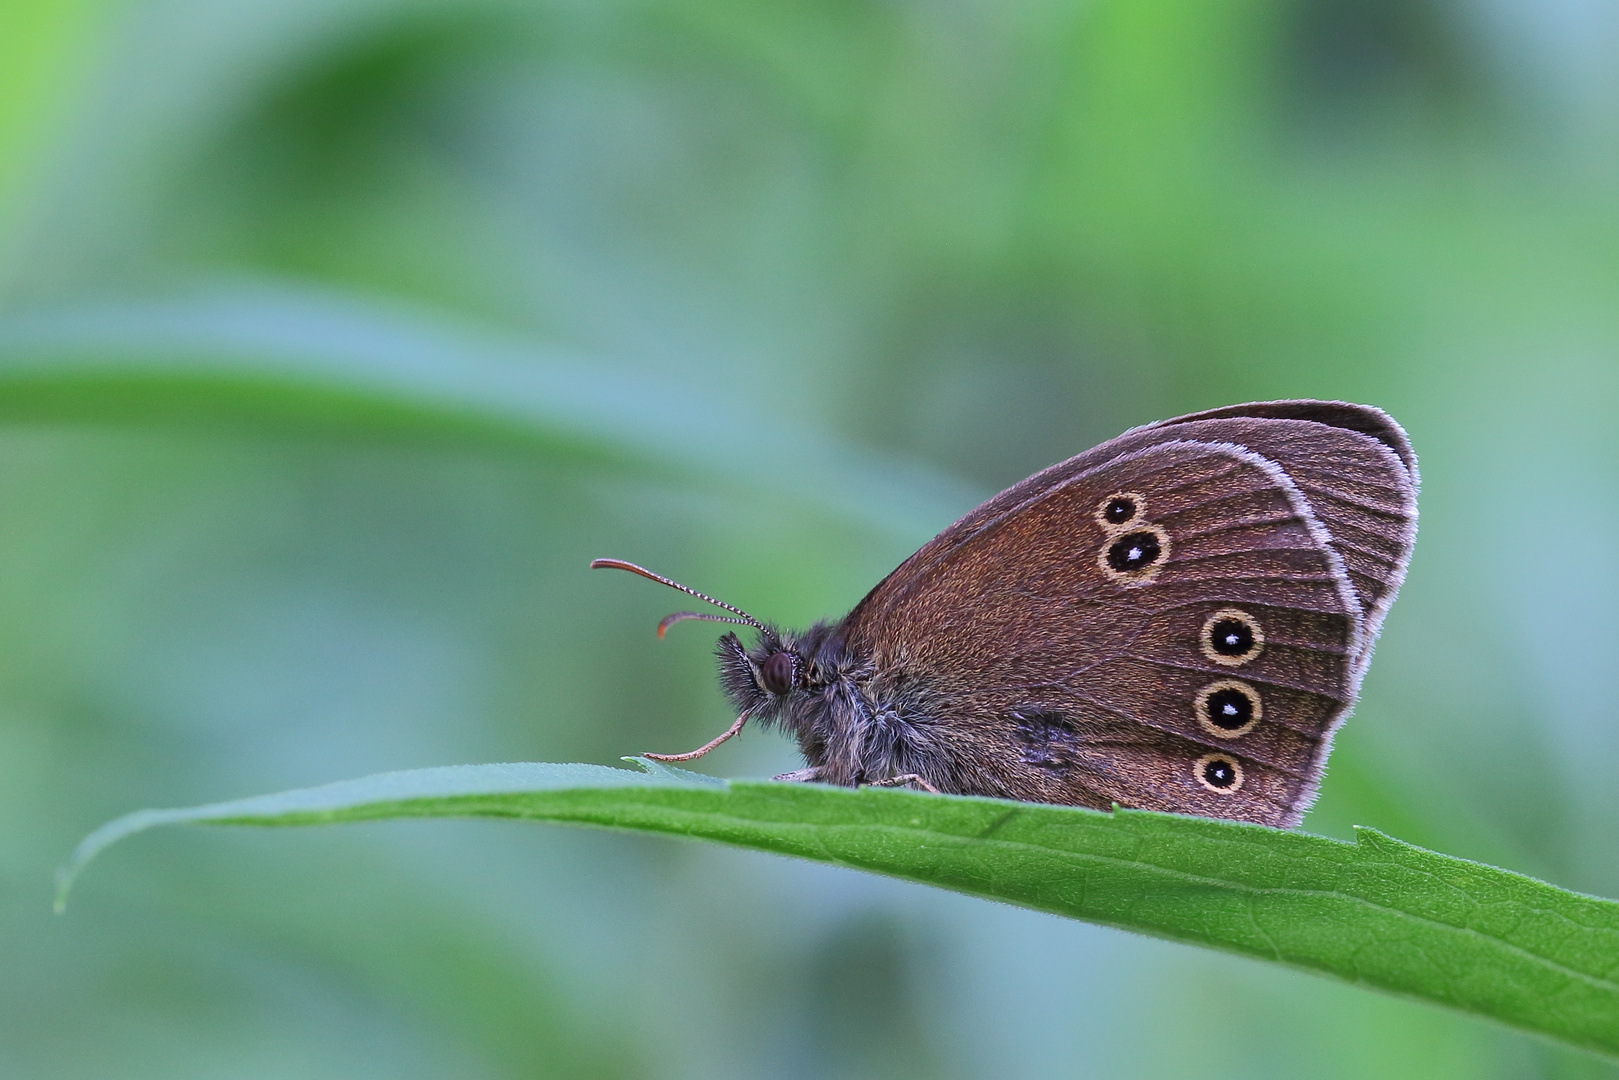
pixel 680 616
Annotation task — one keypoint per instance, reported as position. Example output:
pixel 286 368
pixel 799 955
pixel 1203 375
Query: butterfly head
pixel 761 679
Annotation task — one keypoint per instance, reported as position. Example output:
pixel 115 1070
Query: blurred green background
pixel 336 337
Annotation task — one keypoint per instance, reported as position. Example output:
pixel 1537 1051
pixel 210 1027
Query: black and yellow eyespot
pixel 1120 509
pixel 1134 557
pixel 1228 708
pixel 1232 637
pixel 1220 773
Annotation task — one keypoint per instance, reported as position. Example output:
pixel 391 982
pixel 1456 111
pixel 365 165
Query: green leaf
pixel 306 360
pixel 1378 912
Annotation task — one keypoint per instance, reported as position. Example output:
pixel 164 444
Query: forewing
pixel 1068 659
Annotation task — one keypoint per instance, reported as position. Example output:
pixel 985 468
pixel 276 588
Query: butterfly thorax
pixel 852 725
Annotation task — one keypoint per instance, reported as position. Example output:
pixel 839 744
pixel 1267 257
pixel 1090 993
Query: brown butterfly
pixel 1178 619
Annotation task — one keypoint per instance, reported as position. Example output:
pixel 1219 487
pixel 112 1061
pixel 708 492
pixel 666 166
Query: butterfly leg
pixel 734 729
pixel 900 781
pixel 802 776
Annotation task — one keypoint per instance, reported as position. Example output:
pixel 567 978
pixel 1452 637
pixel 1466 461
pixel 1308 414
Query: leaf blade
pixel 305 360
pixel 1377 911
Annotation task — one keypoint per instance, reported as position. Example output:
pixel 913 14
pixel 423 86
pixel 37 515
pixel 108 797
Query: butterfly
pixel 1178 619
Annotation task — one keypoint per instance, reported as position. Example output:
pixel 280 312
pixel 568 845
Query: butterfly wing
pixel 1356 468
pixel 1074 653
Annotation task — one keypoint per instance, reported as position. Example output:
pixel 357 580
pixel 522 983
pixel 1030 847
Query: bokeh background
pixel 336 336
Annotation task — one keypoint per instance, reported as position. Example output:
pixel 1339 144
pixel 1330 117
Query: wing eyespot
pixel 1228 709
pixel 1134 557
pixel 1231 637
pixel 1120 509
pixel 1220 773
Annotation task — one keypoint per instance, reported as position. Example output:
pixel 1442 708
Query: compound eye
pixel 776 673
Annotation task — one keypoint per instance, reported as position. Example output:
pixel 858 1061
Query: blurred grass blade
pixel 312 361
pixel 1378 912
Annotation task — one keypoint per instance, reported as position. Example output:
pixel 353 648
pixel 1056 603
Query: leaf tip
pixel 110 833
